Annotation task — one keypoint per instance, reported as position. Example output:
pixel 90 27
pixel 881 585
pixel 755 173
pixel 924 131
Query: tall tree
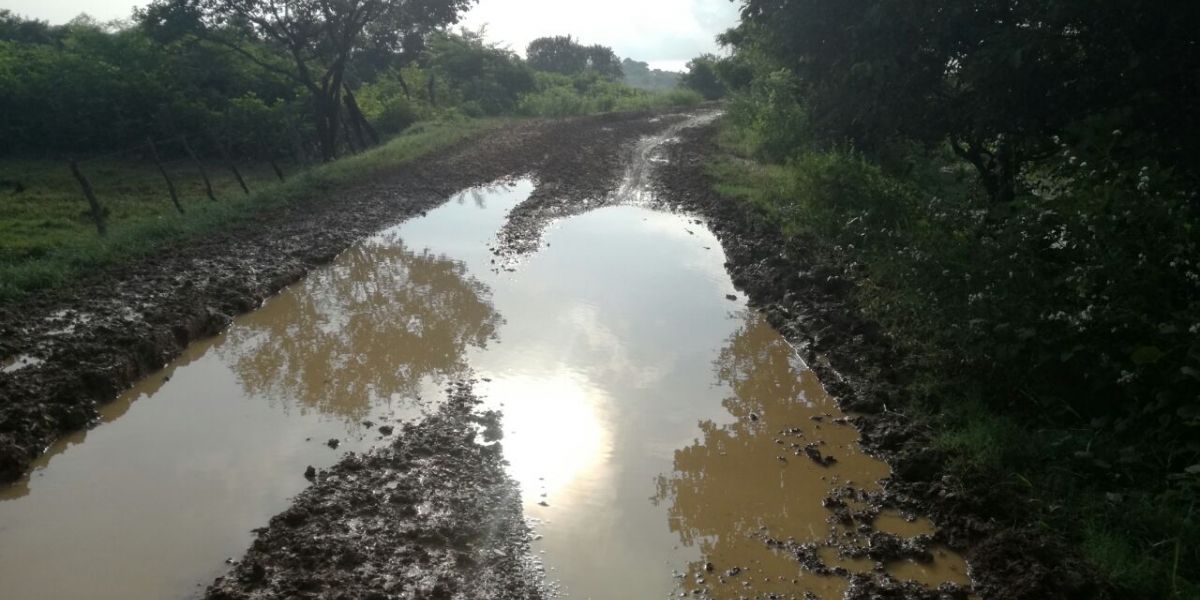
pixel 604 61
pixel 564 55
pixel 559 54
pixel 702 76
pixel 309 41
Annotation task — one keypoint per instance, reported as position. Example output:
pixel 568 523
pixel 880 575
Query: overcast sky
pixel 665 33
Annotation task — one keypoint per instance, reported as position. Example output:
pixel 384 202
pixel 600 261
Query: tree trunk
pixel 326 113
pixel 359 119
pixel 346 134
pixel 403 85
pixel 354 125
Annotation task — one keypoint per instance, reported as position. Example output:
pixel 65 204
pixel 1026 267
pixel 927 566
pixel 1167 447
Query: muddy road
pixel 544 363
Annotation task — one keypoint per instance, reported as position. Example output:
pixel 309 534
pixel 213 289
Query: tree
pixel 998 80
pixel 604 61
pixel 702 76
pixel 566 56
pixel 13 28
pixel 310 42
pixel 491 77
pixel 558 54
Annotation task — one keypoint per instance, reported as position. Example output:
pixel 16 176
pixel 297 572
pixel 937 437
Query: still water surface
pixel 642 411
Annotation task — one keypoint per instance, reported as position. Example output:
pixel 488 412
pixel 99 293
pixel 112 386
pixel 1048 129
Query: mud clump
pixel 433 515
pixel 812 305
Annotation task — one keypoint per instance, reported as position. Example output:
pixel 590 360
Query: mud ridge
pixel 433 515
pixel 87 342
pixel 810 304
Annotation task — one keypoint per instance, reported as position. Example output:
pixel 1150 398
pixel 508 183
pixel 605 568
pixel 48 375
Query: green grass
pixel 47 237
pixel 566 101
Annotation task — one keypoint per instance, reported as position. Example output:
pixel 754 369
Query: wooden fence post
pixel 232 167
pixel 166 177
pixel 346 133
pixel 97 212
pixel 208 190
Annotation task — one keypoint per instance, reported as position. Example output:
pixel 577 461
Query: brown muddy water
pixel 656 426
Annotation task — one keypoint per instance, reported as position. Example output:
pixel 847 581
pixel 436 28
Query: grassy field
pixel 47 236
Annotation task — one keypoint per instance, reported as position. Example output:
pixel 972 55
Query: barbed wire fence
pixel 174 164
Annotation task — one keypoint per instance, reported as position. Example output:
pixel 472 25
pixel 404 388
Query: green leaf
pixel 1147 355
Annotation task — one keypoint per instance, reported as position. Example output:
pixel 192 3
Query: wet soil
pixel 68 350
pixel 433 515
pixel 810 303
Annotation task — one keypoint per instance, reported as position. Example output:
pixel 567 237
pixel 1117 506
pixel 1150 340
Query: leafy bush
pixel 395 115
pixel 1075 307
pixel 588 93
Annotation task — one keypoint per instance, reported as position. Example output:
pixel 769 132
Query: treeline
pixel 307 83
pixel 639 75
pixel 1016 185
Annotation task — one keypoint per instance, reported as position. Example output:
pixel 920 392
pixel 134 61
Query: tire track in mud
pixel 522 234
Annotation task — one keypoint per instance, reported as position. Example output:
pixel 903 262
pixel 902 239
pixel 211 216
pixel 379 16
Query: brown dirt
pixel 811 305
pixel 434 515
pixel 106 331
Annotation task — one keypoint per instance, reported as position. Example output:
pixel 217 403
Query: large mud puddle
pixel 666 439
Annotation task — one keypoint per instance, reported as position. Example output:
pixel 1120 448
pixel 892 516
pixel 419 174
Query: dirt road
pixel 86 343
pixel 433 515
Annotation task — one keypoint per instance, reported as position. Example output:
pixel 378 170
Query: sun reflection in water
pixel 556 437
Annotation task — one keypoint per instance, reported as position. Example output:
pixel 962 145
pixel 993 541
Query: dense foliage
pixel 1016 183
pixel 701 76
pixel 566 56
pixel 240 78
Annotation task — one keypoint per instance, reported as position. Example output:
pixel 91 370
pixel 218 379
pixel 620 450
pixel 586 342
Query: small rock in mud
pixel 753 416
pixel 386 430
pixel 812 452
pixel 731 297
pixel 310 472
pixel 333 443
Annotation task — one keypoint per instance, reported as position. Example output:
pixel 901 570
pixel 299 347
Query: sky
pixel 664 33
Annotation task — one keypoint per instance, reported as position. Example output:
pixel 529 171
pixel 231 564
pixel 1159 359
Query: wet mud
pixel 771 496
pixel 67 351
pixel 810 304
pixel 433 515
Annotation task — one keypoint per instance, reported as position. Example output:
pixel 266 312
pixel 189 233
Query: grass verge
pixel 47 238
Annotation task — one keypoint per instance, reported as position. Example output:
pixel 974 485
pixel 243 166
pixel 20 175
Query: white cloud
pixel 665 33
